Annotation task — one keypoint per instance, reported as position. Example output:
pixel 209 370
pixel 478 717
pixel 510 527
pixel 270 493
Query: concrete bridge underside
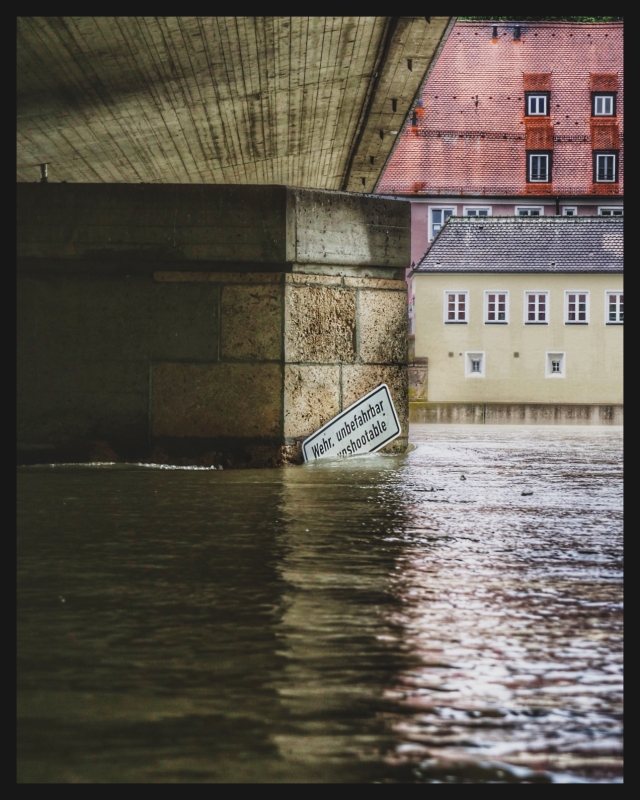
pixel 314 102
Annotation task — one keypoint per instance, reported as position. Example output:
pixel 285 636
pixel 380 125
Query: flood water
pixel 369 619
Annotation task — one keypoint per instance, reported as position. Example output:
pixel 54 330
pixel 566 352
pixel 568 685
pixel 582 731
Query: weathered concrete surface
pixel 516 413
pixel 200 355
pixel 305 101
pixel 262 227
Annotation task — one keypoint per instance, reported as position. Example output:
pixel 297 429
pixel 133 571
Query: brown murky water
pixel 368 619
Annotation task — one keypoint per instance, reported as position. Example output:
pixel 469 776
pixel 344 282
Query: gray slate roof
pixel 526 244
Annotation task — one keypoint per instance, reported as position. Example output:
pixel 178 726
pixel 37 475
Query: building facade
pixel 516 119
pixel 522 310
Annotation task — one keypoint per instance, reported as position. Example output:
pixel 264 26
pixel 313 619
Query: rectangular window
pixel 455 307
pixel 603 105
pixel 569 211
pixel 529 211
pixel 536 308
pixel 538 167
pixel 612 211
pixel 605 167
pixel 576 308
pixel 614 308
pixel 477 211
pixel 537 104
pixel 474 365
pixel 437 218
pixel 555 365
pixel 496 307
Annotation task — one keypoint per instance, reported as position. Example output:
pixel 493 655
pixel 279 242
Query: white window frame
pixel 567 321
pixel 526 306
pixel 487 321
pixel 610 208
pixel 430 210
pixel 456 321
pixel 470 356
pixel 529 208
pixel 607 294
pixel 537 97
pixel 551 356
pixel 466 209
pixel 615 165
pixel 603 97
pixel 547 178
pixel 572 209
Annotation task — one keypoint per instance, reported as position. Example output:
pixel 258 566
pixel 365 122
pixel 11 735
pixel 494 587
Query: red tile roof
pixel 460 147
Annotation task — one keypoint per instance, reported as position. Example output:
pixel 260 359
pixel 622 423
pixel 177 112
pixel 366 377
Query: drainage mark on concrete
pixel 364 427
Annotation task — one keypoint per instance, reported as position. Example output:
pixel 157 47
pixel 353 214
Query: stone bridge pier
pixel 198 324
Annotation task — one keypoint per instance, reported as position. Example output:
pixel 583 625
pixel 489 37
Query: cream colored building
pixel 522 310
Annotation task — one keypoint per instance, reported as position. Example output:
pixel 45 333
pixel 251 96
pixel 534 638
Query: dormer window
pixel 537 104
pixel 539 167
pixel 603 105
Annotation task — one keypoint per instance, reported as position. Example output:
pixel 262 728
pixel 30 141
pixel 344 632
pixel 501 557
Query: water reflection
pixel 370 619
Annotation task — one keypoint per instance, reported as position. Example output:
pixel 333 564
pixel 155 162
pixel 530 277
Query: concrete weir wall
pixel 203 324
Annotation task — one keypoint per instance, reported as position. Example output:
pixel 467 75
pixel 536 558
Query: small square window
pixel 539 167
pixel 569 211
pixel 437 218
pixel 455 307
pixel 529 211
pixel 536 308
pixel 474 365
pixel 537 104
pixel 603 104
pixel 496 305
pixel 613 211
pixel 614 308
pixel 477 211
pixel 555 365
pixel 605 167
pixel 576 308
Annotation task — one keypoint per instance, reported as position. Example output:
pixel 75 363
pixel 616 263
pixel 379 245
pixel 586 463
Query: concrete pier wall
pixel 203 324
pixel 516 413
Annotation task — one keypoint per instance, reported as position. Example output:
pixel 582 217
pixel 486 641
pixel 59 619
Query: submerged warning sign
pixel 364 427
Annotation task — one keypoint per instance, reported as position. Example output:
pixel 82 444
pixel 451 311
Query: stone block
pixel 217 400
pixel 382 327
pixel 375 283
pixel 307 279
pixel 320 324
pixel 311 398
pixel 251 324
pixel 358 379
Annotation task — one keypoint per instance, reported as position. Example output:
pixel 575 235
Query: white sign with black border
pixel 364 427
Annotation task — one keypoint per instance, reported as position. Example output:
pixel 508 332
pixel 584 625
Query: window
pixel 605 167
pixel 455 307
pixel 539 167
pixel 477 211
pixel 555 365
pixel 569 211
pixel 610 211
pixel 496 307
pixel 614 308
pixel 603 105
pixel 537 104
pixel 474 365
pixel 437 218
pixel 536 308
pixel 529 211
pixel 576 307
